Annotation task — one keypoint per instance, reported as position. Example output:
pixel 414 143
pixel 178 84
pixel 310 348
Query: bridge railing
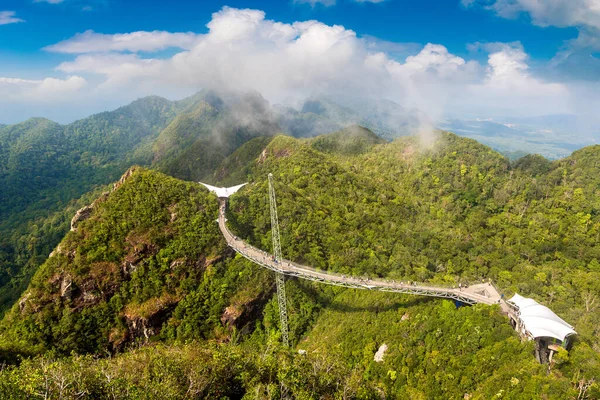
pixel 288 267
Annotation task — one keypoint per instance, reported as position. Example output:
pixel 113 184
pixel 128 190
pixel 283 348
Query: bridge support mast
pixel 279 278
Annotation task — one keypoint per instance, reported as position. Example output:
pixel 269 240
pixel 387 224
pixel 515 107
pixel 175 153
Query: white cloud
pixel 509 86
pixel 243 50
pixel 43 90
pixel 326 3
pixel 561 13
pixel 8 17
pixel 49 1
pixel 434 58
pixel 582 14
pixel 92 42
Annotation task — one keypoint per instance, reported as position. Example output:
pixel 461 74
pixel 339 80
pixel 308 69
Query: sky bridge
pixel 484 293
pixel 530 319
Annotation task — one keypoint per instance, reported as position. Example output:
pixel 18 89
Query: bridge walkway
pixel 484 293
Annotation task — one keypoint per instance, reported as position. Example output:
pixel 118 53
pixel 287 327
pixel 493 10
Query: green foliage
pixel 433 349
pixel 533 164
pixel 28 246
pixel 236 167
pixel 150 265
pixel 353 140
pixel 209 130
pixel 45 167
pixel 454 211
pixel 147 263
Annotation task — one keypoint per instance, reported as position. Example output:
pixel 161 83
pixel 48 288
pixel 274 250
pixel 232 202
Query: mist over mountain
pixel 319 115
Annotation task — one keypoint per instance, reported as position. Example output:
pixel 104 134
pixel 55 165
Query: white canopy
pixel 539 320
pixel 223 192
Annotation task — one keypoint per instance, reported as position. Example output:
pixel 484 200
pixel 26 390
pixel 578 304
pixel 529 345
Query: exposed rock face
pixel 241 316
pixel 173 212
pixel 125 176
pixel 140 328
pixel 23 302
pixel 59 249
pixel 85 212
pixel 263 156
pixel 81 215
pixel 139 248
pixel 380 353
pixel 146 327
pixel 66 287
pixel 230 315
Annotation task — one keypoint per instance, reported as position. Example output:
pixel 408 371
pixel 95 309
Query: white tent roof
pixel 539 320
pixel 223 192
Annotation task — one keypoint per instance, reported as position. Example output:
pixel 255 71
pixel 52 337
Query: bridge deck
pixel 481 293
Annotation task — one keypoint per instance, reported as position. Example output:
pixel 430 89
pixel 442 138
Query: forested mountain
pixel 45 167
pixel 209 130
pixel 149 265
pixel 38 155
pixel 322 115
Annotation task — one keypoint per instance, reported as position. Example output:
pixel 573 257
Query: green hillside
pixel 45 167
pixel 352 140
pixel 455 210
pixel 149 266
pixel 209 130
pixel 150 252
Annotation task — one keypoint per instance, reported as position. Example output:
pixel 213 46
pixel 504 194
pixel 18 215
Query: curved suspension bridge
pixel 483 293
pixel 480 293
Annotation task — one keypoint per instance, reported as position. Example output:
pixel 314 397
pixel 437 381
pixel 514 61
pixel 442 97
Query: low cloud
pixel 509 86
pixel 92 42
pixel 44 90
pixel 9 17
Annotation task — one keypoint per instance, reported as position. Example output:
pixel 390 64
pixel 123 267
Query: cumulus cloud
pixel 508 84
pixel 92 42
pixel 245 51
pixel 8 17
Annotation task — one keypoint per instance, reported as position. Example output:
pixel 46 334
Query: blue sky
pixel 446 57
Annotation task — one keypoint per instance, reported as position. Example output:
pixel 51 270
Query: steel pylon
pixel 279 277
